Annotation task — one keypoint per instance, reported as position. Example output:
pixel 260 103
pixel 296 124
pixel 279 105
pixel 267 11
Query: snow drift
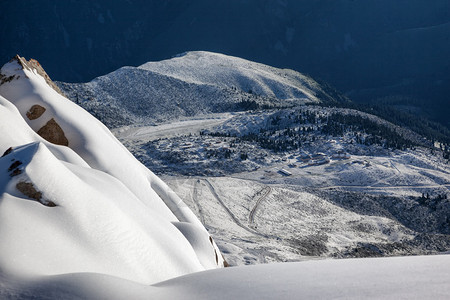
pixel 73 199
pixel 421 277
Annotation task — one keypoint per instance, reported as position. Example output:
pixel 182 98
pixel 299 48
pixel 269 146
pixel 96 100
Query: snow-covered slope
pixel 191 84
pixel 420 277
pixel 224 71
pixel 308 181
pixel 73 199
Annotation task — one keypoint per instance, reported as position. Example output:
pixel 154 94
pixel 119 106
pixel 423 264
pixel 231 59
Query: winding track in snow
pixel 251 217
pixel 229 212
pixel 197 203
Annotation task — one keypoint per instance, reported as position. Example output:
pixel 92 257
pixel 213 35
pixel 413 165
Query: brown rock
pixel 35 112
pixel 49 204
pixel 53 133
pixel 215 252
pixel 33 64
pixel 27 188
pixel 225 263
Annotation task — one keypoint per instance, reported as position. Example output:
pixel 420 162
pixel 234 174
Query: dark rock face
pixel 14 165
pixel 8 151
pixel 6 79
pixel 28 189
pixel 15 168
pixel 53 133
pixel 35 112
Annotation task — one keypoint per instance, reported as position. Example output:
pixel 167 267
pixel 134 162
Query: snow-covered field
pixel 172 129
pixel 369 204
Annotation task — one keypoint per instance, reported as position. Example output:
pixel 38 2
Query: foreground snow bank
pixel 421 277
pixel 73 199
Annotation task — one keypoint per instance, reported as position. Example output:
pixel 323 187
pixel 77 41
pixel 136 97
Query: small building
pixel 186 146
pixel 318 162
pixel 318 155
pixel 319 159
pixel 340 155
pixel 305 157
pixel 285 172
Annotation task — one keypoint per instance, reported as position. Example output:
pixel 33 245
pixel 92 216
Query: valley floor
pixel 329 199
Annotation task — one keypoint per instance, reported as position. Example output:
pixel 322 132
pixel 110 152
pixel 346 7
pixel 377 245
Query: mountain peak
pixel 34 66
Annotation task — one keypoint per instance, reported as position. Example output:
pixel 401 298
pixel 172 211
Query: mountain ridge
pixel 158 93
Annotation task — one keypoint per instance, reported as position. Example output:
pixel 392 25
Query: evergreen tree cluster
pixel 288 131
pixel 379 134
pixel 433 131
pixel 280 144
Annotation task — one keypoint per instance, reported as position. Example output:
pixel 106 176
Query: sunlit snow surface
pixel 216 69
pixel 88 207
pixel 421 277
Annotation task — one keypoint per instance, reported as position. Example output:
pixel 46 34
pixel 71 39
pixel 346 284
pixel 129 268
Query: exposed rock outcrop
pixel 4 78
pixel 53 133
pixel 35 112
pixel 33 64
pixel 28 189
pixel 14 169
pixel 8 151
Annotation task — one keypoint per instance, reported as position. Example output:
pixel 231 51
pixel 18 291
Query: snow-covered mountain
pixel 191 84
pixel 372 187
pixel 224 71
pixel 80 217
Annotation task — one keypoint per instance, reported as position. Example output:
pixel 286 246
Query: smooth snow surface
pixel 88 207
pixel 420 277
